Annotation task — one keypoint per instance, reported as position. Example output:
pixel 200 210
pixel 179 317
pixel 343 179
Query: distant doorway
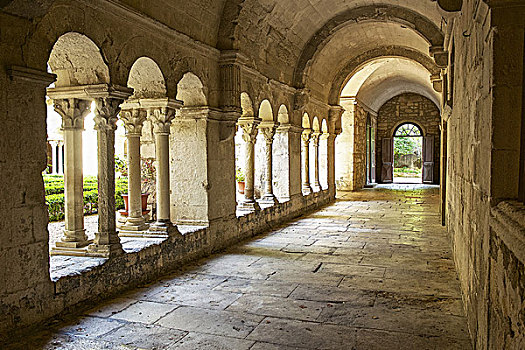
pixel 408 154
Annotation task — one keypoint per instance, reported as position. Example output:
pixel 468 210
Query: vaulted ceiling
pixel 316 44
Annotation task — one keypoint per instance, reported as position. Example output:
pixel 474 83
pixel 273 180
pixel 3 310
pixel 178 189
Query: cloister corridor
pixel 372 270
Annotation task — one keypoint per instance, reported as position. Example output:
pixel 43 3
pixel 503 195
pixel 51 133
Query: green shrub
pixel 56 202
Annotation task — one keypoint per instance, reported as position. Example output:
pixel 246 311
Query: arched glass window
pixel 408 130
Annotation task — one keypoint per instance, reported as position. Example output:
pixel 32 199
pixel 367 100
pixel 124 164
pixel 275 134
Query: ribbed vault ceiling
pixel 380 80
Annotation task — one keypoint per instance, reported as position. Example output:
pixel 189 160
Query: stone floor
pixel 371 271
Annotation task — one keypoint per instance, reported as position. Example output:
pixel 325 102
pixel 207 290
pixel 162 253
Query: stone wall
pixel 351 147
pixel 483 148
pixel 408 108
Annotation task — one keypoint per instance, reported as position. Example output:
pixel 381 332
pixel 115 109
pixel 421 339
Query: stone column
pixel 60 162
pixel 249 135
pixel 305 137
pixel 315 143
pixel 161 119
pixel 334 129
pixel 268 131
pixel 54 153
pixel 107 242
pixel 323 160
pixel 133 121
pixel 73 112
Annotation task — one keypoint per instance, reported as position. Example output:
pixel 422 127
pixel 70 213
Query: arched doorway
pixel 408 151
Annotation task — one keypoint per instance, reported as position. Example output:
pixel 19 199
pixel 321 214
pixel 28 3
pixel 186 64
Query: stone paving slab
pixel 371 271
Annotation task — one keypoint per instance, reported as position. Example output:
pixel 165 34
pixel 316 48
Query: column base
pixel 249 207
pixel 161 229
pixel 73 244
pixel 307 190
pixel 104 250
pixel 268 199
pixel 133 225
pixel 316 187
pixel 70 248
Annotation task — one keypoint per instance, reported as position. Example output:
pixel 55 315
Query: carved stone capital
pixel 315 139
pixel 161 118
pixel 249 132
pixel 268 131
pixel 106 111
pixel 73 111
pixel 305 137
pixel 133 120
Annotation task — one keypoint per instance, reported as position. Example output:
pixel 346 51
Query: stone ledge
pixel 507 221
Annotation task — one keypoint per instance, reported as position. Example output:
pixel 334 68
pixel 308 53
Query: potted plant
pixel 239 176
pixel 147 182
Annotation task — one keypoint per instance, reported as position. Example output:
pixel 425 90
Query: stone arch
pixel 142 47
pixel 385 13
pixel 408 121
pixel 77 60
pixel 191 91
pixel 266 111
pixel 246 106
pixel 282 115
pixel 344 75
pixel 146 79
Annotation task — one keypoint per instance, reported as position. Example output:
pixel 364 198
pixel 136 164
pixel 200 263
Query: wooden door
pixel 387 154
pixel 428 159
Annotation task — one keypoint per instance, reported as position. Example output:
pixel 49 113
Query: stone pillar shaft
pixel 268 131
pixel 60 163
pixel 315 144
pixel 106 242
pixel 249 165
pixel 133 122
pixel 161 119
pixel 73 112
pixel 305 137
pixel 249 136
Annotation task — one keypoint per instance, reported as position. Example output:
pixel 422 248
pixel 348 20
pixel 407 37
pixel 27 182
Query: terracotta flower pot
pixel 240 187
pixel 144 197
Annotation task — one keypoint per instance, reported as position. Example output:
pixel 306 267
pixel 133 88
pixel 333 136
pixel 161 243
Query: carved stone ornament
pixel 133 120
pixel 73 111
pixel 106 111
pixel 249 132
pixel 161 119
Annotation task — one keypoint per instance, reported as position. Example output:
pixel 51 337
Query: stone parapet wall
pixel 507 276
pixel 483 151
pixel 131 269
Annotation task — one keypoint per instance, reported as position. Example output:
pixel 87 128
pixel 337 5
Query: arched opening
pixel 71 178
pixel 265 132
pixel 282 156
pixel 408 151
pixel 147 81
pixel 323 156
pixel 247 112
